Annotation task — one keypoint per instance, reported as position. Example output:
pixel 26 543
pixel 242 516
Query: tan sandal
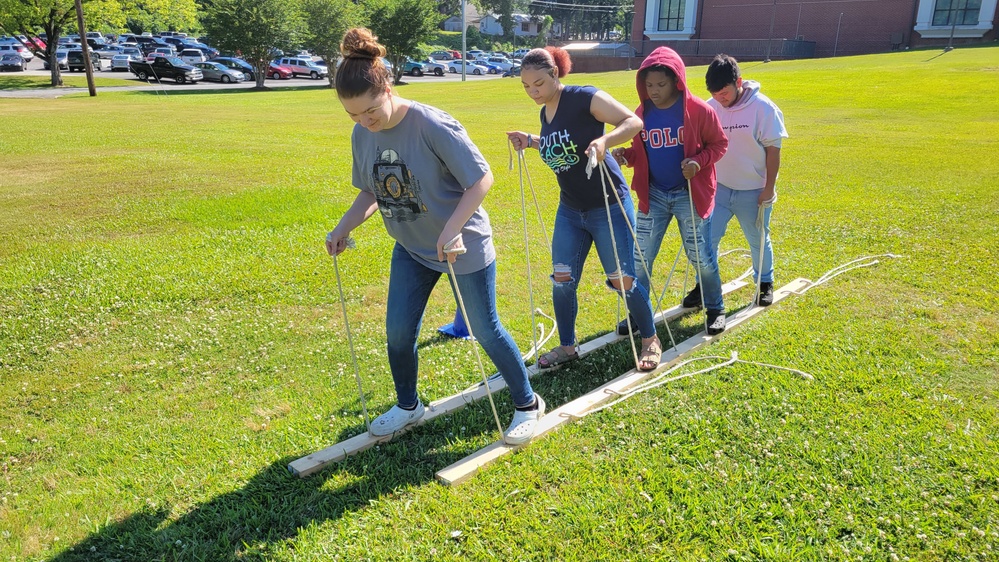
pixel 650 357
pixel 556 357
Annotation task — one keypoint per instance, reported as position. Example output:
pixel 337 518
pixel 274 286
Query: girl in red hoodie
pixel 679 143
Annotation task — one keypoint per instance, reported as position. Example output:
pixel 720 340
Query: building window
pixel 671 14
pixel 526 27
pixel 956 12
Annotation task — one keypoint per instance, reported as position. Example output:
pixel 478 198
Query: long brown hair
pixel 362 69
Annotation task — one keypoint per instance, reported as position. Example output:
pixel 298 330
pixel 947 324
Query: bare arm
pixel 773 166
pixel 608 110
pixel 467 206
pixel 363 207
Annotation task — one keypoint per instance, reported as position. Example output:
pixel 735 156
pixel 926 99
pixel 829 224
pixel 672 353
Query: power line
pixel 581 7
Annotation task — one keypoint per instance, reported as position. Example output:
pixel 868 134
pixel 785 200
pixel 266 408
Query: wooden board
pixel 315 462
pixel 467 467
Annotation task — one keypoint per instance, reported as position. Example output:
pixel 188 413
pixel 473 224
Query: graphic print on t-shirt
pixel 397 191
pixel 558 151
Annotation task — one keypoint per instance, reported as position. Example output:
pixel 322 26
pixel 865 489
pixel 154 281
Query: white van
pixel 303 67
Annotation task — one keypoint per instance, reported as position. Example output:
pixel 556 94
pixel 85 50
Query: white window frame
pixel 925 28
pixel 689 15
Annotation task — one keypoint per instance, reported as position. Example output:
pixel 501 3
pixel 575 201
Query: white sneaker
pixel 396 419
pixel 524 424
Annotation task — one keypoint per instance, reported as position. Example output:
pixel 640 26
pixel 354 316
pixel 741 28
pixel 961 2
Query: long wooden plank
pixel 467 467
pixel 315 462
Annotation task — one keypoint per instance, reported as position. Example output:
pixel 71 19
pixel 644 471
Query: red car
pixel 278 72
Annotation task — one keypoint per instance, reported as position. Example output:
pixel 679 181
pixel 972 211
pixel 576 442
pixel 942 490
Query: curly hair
pixel 362 69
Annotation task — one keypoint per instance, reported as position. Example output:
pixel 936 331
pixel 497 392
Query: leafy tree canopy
pixel 253 29
pixel 401 25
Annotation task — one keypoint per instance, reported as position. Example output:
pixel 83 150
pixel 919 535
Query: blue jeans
pixel 744 204
pixel 573 234
pixel 410 284
pixel 664 206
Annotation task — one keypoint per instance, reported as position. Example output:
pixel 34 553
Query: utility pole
pixel 464 39
pixel 86 49
pixel 953 26
pixel 836 44
pixel 773 16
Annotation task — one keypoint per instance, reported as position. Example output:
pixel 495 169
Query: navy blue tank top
pixel 563 144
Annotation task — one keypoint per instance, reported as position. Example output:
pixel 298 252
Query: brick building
pixel 756 29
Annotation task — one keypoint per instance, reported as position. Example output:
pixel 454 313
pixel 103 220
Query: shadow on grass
pixel 168 88
pixel 271 508
pixel 24 83
pixel 274 506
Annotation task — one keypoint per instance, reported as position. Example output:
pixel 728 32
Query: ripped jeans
pixel 573 234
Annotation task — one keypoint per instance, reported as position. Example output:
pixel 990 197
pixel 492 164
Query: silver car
pixel 219 72
pixel 120 62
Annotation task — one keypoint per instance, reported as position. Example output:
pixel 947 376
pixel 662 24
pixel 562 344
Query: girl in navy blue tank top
pixel 573 119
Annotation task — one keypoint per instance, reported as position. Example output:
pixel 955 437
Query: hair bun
pixel 361 43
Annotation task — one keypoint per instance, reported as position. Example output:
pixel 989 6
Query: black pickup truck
pixel 166 67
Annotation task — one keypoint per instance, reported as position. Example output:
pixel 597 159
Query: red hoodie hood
pixel 703 138
pixel 662 56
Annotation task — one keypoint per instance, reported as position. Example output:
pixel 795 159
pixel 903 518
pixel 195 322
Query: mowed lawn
pixel 171 338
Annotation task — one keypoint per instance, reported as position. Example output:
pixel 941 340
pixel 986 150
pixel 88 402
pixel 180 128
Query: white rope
pixel 536 327
pixel 632 229
pixel 661 378
pixel 841 269
pixel 471 336
pixel 350 338
pixel 617 258
pixel 697 250
pixel 527 246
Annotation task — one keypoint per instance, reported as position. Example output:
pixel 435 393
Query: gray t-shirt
pixel 418 171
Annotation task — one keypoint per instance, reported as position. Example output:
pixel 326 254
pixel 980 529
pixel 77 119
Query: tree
pixel 401 25
pixel 25 17
pixel 325 23
pixel 503 9
pixel 253 29
pixel 159 15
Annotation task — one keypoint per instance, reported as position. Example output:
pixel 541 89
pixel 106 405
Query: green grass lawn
pixel 22 82
pixel 171 337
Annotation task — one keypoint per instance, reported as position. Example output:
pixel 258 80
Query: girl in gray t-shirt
pixel 416 166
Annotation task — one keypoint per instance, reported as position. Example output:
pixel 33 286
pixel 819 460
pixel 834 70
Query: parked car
pixel 133 52
pixel 61 62
pixel 442 55
pixel 490 67
pixel 109 51
pixel 519 53
pixel 414 68
pixel 502 62
pixel 74 61
pixel 303 67
pixel 454 67
pixel 209 52
pixel 434 67
pixel 16 49
pixel 218 72
pixel 278 72
pixel 12 62
pixel 120 62
pixel 166 67
pixel 192 56
pixel 237 64
pixel 515 71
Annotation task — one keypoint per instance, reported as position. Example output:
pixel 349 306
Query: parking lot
pixel 35 68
